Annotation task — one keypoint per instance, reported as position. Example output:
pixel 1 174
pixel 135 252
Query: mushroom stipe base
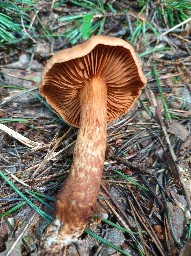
pixel 76 201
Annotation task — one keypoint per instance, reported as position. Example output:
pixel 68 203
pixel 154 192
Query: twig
pixel 17 179
pixel 152 192
pixel 24 29
pixel 138 227
pixel 51 154
pixel 162 125
pixel 21 138
pixel 116 214
pixel 17 95
pixel 53 2
pixel 33 19
pixel 146 223
pixel 175 27
pixel 21 235
pixel 171 151
pixel 126 225
pixel 122 212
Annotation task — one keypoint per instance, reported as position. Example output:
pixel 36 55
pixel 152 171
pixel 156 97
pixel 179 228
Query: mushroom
pixel 88 85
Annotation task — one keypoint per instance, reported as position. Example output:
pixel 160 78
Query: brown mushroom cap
pixel 112 59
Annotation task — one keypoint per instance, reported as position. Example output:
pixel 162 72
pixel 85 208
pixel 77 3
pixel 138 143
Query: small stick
pixel 175 27
pixel 138 227
pixel 178 169
pixel 29 143
pixel 6 100
pixel 146 224
pixel 20 236
pixel 51 155
pixel 24 29
pixel 17 179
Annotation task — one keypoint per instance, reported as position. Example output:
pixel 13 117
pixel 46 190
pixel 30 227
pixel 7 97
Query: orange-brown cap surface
pixel 112 59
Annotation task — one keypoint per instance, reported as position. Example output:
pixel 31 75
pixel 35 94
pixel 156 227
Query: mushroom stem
pixel 76 201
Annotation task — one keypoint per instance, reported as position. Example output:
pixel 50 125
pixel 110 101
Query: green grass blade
pixel 155 73
pixel 47 105
pixel 33 206
pixel 189 230
pixel 44 28
pixel 86 25
pixel 50 198
pixel 39 199
pixel 20 120
pixel 75 37
pixel 104 241
pixel 101 5
pixel 13 209
pixel 152 51
pixel 111 8
pixel 101 26
pixel 88 4
pixel 153 29
pixel 18 87
pixel 129 179
pixel 145 107
pixel 118 226
pixel 136 32
pixel 71 17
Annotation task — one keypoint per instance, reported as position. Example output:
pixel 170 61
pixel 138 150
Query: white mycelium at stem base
pixel 76 201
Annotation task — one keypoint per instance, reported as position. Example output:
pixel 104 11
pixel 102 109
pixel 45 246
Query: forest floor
pixel 145 191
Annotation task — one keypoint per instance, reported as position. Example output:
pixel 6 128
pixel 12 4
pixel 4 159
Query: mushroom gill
pixel 114 64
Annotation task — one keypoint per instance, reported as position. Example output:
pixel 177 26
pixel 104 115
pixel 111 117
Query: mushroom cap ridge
pixel 102 45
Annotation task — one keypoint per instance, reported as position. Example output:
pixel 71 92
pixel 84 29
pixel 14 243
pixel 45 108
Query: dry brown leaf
pixel 178 130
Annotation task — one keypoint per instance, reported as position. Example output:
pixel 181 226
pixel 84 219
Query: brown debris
pixel 150 197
